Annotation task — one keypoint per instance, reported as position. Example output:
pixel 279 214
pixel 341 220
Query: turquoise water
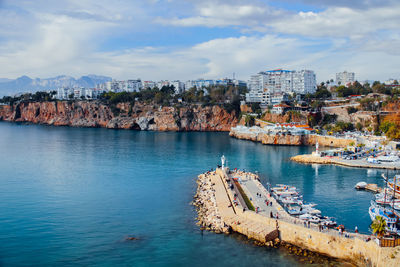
pixel 70 196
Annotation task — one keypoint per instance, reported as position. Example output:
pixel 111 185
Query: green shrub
pixel 245 197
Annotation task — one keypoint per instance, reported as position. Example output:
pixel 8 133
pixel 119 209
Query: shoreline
pixel 107 128
pixel 218 212
pixel 311 159
pixel 258 134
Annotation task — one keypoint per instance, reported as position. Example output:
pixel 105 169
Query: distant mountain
pixel 26 84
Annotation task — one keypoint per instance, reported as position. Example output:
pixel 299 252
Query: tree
pixel 249 120
pixel 158 98
pixel 322 93
pixel 391 129
pixel 351 110
pixel 378 226
pixel 359 126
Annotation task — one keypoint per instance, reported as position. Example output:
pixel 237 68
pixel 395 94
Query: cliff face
pixel 137 117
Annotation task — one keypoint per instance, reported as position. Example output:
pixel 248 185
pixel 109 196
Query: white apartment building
pixel 280 82
pixel 274 98
pixel 344 78
pixel 88 93
pixel 132 85
pixel 304 82
pixel 148 84
pixel 179 86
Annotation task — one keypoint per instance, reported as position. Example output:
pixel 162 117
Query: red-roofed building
pixel 279 108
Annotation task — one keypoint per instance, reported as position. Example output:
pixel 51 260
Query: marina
pixel 271 217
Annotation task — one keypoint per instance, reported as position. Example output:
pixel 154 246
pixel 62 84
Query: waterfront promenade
pixel 356 163
pixel 354 248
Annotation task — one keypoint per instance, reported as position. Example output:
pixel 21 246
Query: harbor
pixel 369 154
pixel 253 211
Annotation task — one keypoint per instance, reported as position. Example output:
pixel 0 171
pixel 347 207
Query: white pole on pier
pixel 223 160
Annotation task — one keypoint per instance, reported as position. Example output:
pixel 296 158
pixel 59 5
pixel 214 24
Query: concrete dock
pixel 312 159
pixel 218 212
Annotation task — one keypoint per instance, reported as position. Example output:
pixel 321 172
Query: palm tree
pixel 378 226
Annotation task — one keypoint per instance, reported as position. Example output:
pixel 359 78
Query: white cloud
pixel 64 39
pixel 340 22
pixel 221 14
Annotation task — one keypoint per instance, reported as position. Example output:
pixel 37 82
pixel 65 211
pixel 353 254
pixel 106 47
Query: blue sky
pixel 176 39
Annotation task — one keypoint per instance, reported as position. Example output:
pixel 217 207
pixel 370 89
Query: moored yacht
pixel 391 219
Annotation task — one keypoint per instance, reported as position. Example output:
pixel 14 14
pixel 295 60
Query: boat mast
pixel 394 192
pixel 386 179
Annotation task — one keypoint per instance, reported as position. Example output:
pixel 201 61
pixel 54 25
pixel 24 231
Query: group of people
pixel 272 215
pixel 268 203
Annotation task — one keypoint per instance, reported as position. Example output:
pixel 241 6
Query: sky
pixel 176 39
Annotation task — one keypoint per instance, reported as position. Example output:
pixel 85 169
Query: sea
pixel 72 196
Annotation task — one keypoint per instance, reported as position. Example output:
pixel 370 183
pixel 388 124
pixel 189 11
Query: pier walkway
pixel 258 226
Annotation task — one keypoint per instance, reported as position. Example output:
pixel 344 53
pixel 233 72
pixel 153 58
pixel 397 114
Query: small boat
pixel 290 200
pixel 310 218
pixel 328 222
pixel 360 185
pixel 395 205
pixel 294 210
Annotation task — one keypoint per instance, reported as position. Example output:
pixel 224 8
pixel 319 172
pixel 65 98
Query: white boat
pixel 360 185
pixel 309 208
pixel 291 200
pixel 396 205
pixel 310 218
pixel 294 210
pixel 329 222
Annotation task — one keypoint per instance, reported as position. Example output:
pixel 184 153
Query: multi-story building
pixel 148 84
pixel 304 82
pixel 79 92
pixel 344 78
pixel 132 85
pixel 280 82
pixel 274 98
pixel 179 86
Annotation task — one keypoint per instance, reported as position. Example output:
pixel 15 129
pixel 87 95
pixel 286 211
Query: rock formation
pixel 140 116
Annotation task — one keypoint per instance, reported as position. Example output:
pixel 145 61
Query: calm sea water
pixel 70 196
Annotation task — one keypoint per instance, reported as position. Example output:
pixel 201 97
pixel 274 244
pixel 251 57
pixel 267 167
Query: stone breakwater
pixel 139 116
pixel 257 134
pixel 314 159
pixel 205 202
pixel 217 212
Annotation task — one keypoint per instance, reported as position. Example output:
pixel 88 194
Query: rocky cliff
pixel 125 116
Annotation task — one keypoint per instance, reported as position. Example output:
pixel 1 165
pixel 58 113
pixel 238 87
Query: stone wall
pixel 256 226
pixel 292 140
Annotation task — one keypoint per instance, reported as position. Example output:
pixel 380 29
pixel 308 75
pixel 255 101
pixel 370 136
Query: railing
pixel 389 242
